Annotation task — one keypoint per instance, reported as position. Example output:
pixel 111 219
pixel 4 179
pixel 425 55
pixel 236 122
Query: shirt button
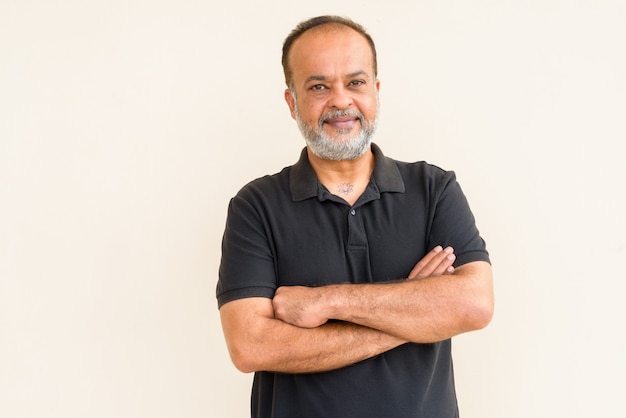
pixel 353 212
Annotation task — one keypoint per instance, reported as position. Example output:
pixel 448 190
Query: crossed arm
pixel 292 333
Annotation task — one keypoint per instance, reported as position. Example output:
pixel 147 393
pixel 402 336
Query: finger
pixel 439 261
pixel 440 264
pixel 445 266
pixel 417 271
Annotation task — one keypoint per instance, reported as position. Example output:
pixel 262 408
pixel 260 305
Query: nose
pixel 339 98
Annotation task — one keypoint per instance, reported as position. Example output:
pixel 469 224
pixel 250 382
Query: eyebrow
pixel 324 78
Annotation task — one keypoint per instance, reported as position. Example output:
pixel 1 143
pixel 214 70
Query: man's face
pixel 334 96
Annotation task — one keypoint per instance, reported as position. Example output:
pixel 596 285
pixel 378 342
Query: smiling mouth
pixel 342 123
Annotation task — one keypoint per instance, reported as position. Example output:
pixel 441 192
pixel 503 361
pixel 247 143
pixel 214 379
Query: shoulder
pixel 425 174
pixel 422 167
pixel 284 183
pixel 386 166
pixel 271 185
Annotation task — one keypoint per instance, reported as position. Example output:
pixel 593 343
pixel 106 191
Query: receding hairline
pixel 324 24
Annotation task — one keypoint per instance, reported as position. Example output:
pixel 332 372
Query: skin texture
pixel 332 70
pixel 258 340
pixel 424 311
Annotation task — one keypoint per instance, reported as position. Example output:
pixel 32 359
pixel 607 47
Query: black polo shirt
pixel 288 229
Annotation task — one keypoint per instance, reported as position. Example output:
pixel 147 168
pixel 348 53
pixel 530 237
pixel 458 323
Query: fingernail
pixel 449 250
pixel 438 249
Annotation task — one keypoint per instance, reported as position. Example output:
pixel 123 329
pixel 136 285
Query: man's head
pixel 329 21
pixel 330 70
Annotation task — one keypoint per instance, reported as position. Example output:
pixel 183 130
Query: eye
pixel 356 83
pixel 318 87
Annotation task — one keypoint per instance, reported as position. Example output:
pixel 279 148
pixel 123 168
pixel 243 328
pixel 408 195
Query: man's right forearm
pixel 257 341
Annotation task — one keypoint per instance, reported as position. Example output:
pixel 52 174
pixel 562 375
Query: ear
pixel 377 86
pixel 291 102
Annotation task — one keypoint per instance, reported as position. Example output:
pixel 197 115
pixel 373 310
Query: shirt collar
pixel 303 182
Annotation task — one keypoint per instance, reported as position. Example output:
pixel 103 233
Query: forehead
pixel 330 50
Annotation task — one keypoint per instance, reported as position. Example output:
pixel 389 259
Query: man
pixel 344 276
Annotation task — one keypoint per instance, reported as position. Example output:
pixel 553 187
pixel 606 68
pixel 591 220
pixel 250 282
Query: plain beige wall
pixel 125 127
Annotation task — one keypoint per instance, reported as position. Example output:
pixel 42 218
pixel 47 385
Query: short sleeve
pixel 247 264
pixel 454 223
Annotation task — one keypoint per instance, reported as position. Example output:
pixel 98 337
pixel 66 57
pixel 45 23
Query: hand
pixel 436 263
pixel 304 306
pixel 296 305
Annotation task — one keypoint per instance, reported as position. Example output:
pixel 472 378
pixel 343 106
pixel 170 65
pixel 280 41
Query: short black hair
pixel 306 25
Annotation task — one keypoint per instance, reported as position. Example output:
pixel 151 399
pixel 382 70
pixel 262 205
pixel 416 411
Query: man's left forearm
pixel 426 310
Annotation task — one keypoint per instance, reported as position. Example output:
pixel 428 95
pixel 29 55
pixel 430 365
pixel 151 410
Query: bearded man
pixel 344 277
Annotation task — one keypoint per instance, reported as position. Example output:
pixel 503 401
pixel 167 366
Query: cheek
pixel 369 109
pixel 311 112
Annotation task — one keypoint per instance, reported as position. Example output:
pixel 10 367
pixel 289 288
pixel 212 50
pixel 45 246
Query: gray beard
pixel 337 149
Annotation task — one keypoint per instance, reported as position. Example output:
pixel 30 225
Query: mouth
pixel 342 123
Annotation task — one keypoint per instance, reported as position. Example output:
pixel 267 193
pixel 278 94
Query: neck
pixel 347 179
